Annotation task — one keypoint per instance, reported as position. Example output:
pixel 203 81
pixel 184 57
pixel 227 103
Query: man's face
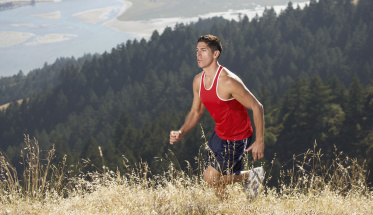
pixel 205 56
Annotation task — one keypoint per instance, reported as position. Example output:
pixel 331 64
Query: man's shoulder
pixel 228 77
pixel 198 76
pixel 197 80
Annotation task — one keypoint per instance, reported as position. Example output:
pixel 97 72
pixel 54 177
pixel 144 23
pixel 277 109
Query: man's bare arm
pixel 239 91
pixel 193 116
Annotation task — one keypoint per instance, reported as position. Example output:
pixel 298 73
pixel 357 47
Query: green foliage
pixel 298 63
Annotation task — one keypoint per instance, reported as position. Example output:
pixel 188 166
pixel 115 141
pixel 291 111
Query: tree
pixel 91 153
pixel 354 107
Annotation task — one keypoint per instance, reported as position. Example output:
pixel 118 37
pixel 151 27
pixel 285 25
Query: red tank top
pixel 231 118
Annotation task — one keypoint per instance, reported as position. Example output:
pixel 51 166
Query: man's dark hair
pixel 213 42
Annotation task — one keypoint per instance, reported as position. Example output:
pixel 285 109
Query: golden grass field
pixel 45 189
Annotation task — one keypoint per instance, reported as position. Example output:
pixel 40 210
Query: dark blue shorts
pixel 226 156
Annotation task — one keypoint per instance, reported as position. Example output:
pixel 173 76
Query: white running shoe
pixel 254 183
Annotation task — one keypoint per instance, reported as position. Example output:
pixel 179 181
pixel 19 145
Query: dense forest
pixel 311 68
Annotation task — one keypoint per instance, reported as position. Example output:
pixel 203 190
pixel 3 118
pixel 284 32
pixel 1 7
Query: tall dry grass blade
pixel 9 183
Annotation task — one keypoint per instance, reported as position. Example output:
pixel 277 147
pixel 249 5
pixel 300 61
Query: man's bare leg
pixel 219 181
pixel 212 177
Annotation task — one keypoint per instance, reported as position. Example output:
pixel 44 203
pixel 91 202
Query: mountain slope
pixel 311 68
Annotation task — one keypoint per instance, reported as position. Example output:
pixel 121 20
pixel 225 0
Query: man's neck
pixel 211 70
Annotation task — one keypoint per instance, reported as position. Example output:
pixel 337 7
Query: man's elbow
pixel 197 112
pixel 259 108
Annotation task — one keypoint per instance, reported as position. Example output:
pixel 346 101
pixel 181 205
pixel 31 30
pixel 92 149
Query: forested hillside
pixel 311 68
pixel 23 86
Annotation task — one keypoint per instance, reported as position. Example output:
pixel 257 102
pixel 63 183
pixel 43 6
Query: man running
pixel 226 98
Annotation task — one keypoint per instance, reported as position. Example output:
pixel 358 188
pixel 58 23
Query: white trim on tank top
pixel 203 77
pixel 212 84
pixel 217 82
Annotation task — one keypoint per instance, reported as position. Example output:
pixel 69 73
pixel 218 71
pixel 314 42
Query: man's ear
pixel 216 54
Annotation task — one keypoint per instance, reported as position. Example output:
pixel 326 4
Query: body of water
pixel 33 35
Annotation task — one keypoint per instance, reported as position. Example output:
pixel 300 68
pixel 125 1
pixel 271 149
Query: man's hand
pixel 175 136
pixel 257 149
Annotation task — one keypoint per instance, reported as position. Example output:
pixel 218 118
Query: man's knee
pixel 209 179
pixel 211 175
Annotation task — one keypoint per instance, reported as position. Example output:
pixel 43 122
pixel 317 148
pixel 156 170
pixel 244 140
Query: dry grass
pixel 5 106
pixel 309 188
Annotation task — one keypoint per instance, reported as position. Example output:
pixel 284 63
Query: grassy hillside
pixel 174 198
pixel 338 189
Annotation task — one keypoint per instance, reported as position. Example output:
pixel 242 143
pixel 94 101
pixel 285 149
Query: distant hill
pixel 23 86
